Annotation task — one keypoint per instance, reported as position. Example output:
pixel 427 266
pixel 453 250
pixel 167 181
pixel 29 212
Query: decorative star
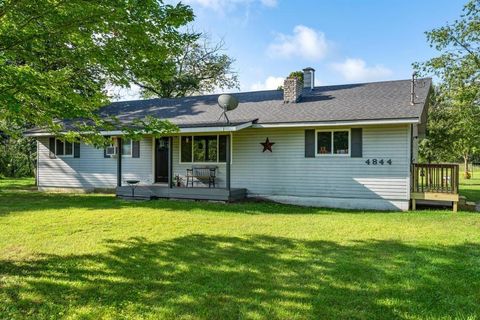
pixel 267 145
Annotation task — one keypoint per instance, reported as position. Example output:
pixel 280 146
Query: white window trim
pixel 131 149
pixel 333 147
pixel 64 155
pixel 203 163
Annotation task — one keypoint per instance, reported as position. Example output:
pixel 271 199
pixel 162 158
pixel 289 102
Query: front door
pixel 161 160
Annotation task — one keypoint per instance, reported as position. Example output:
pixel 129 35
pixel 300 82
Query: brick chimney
pixel 292 90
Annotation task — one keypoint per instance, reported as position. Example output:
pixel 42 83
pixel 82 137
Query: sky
pixel 345 41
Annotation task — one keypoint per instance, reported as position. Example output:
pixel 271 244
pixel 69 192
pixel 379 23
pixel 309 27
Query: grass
pixel 470 188
pixel 95 257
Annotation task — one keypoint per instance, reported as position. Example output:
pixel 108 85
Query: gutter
pixel 251 124
pixel 182 130
pixel 336 123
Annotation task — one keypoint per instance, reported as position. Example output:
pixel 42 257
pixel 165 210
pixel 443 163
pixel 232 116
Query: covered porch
pixel 196 193
pixel 173 177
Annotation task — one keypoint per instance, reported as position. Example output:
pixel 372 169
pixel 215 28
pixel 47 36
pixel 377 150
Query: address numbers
pixel 375 162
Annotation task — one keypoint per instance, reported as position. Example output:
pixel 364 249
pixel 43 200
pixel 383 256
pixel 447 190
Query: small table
pixel 133 184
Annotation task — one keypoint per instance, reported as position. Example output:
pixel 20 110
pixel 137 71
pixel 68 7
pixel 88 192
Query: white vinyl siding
pixel 89 171
pixel 139 168
pixel 286 171
pixel 283 172
pixel 92 169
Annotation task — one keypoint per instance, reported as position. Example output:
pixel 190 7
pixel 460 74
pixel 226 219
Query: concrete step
pixel 469 206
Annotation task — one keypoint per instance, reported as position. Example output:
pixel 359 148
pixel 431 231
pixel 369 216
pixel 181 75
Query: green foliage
pixel 200 68
pixel 455 114
pixel 56 56
pixel 17 156
pixel 296 74
pixel 156 127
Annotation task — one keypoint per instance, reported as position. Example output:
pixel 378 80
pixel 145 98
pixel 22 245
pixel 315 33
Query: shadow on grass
pixel 220 277
pixel 15 201
pixel 23 197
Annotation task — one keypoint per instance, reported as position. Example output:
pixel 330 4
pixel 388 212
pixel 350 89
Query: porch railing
pixel 437 178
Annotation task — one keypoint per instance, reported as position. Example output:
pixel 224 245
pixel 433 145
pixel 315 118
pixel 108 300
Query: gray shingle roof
pixel 363 101
pixel 351 102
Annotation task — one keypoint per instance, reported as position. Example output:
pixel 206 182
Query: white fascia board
pixel 182 130
pixel 216 129
pixel 335 123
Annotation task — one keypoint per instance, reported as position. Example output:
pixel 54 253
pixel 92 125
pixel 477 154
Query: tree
pixel 200 68
pixel 456 116
pixel 17 156
pixel 57 56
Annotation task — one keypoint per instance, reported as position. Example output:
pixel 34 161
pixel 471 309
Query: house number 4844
pixel 381 162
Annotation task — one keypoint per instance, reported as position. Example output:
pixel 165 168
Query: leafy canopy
pixel 57 56
pixel 201 67
pixel 454 130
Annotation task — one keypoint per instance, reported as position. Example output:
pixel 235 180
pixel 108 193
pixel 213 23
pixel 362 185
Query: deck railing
pixel 437 178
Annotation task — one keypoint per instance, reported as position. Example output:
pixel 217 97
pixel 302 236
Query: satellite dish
pixel 227 102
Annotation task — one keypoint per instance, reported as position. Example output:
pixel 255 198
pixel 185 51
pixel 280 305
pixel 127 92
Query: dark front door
pixel 161 160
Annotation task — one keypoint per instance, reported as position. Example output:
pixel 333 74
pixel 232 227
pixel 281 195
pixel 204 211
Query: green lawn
pixel 95 257
pixel 471 188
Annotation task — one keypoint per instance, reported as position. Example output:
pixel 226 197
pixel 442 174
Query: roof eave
pixel 337 123
pixel 223 128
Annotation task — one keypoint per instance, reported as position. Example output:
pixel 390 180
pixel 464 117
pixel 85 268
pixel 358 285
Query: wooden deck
pixel 435 182
pixel 164 192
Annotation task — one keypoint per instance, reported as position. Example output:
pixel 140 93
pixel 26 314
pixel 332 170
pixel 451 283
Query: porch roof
pixel 184 128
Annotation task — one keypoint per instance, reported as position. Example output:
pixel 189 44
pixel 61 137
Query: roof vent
pixel 308 78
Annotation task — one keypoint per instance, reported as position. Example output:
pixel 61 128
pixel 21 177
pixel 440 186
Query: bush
pixel 296 74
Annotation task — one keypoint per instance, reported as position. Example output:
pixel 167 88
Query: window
pixel 63 148
pixel 127 147
pixel 203 149
pixel 335 142
pixel 186 149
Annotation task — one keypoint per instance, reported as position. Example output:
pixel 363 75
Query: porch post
pixel 228 161
pixel 119 162
pixel 170 162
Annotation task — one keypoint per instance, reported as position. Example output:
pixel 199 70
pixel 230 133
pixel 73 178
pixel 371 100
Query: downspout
pixel 228 163
pixel 170 162
pixel 119 162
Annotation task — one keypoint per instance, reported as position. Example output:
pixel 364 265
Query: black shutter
pixel 135 149
pixel 310 143
pixel 76 149
pixel 105 150
pixel 51 147
pixel 357 143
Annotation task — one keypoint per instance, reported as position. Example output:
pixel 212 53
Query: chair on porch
pixel 202 173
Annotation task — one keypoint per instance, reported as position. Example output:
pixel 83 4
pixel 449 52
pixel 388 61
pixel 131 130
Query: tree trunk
pixel 466 174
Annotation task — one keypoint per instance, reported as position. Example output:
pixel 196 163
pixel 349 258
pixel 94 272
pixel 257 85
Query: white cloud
pixel 228 5
pixel 305 42
pixel 354 69
pixel 271 83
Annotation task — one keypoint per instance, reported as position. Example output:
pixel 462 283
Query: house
pixel 347 146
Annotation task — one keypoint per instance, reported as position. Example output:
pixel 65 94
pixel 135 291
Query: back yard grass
pixel 470 188
pixel 95 257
